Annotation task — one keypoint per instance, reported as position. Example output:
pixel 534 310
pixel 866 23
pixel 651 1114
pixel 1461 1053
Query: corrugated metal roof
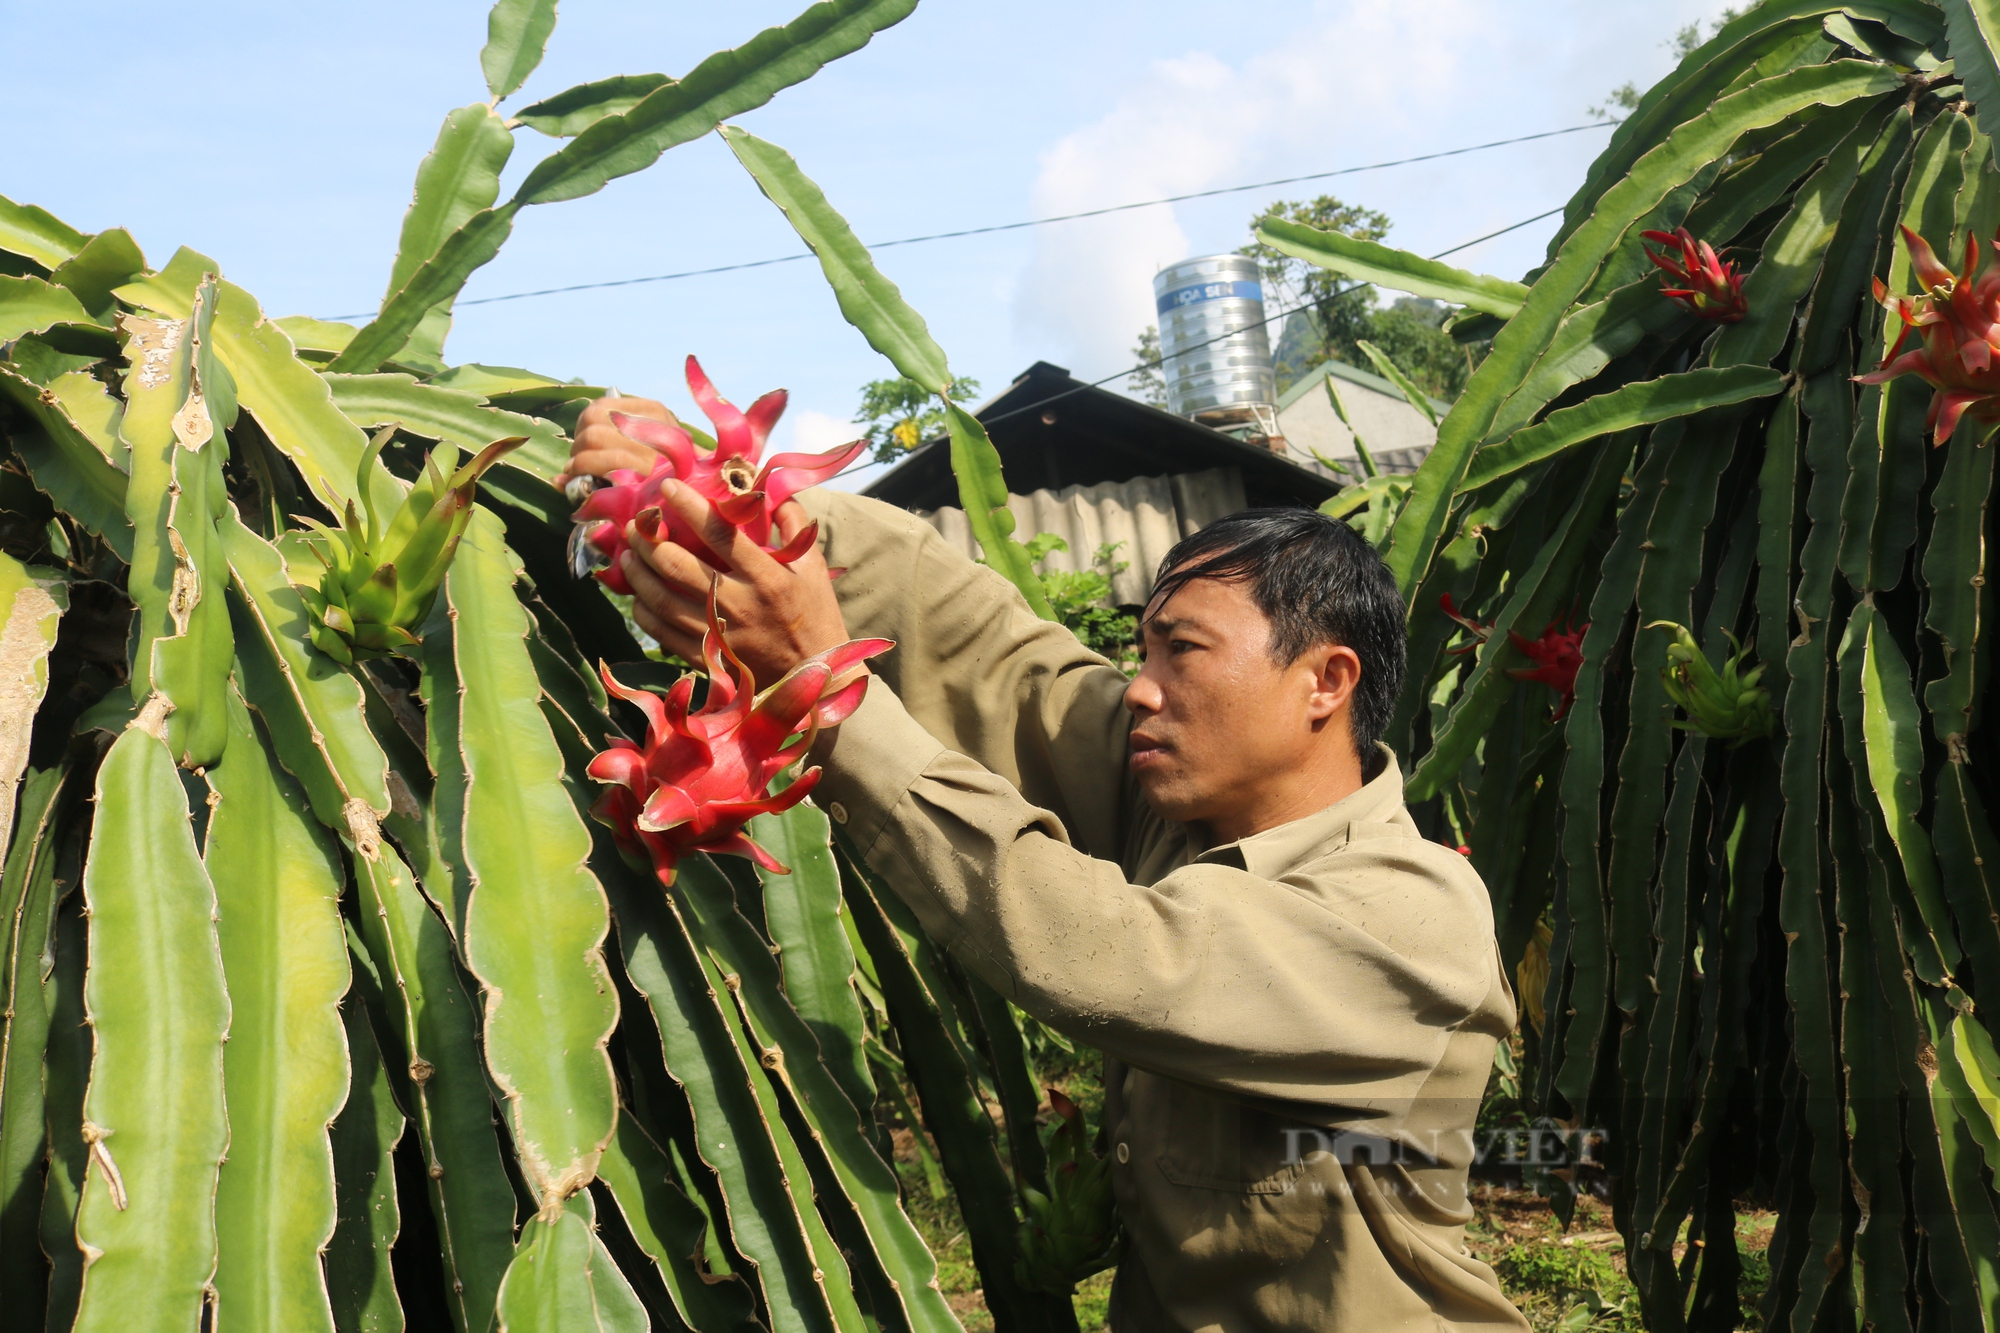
pixel 1143 518
pixel 1053 431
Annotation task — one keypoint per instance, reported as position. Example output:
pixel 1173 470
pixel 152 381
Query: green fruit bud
pixel 381 581
pixel 1729 705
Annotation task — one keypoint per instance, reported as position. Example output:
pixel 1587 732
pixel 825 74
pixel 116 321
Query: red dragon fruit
pixel 1710 289
pixel 1557 655
pixel 1957 323
pixel 702 775
pixel 743 491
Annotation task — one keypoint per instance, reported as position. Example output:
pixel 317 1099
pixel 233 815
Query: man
pixel 1206 872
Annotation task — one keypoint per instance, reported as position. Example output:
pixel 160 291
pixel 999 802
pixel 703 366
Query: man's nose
pixel 1143 695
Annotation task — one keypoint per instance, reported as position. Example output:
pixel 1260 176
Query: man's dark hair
pixel 1319 582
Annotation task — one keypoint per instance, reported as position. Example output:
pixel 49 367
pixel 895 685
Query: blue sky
pixel 282 140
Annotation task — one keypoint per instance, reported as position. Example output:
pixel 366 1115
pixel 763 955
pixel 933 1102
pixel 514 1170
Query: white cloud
pixel 1361 81
pixel 1192 123
pixel 806 431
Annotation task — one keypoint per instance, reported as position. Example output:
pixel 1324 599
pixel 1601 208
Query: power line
pixel 1156 363
pixel 1031 222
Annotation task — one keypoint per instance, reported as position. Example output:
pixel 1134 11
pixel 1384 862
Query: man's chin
pixel 1170 796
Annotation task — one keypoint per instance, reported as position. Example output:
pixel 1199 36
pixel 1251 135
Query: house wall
pixel 1396 433
pixel 1146 516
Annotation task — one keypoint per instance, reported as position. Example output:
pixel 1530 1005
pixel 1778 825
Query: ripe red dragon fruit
pixel 702 775
pixel 743 491
pixel 1557 655
pixel 1957 323
pixel 1710 289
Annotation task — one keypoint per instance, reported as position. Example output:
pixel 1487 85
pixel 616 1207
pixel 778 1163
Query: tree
pixel 901 414
pixel 1340 313
pixel 1147 383
pixel 1411 332
pixel 1625 97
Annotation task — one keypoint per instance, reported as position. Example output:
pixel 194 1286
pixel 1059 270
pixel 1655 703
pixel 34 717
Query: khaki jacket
pixel 1299 1025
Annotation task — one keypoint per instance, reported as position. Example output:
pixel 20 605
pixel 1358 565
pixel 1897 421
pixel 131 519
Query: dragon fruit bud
pixel 1072 1230
pixel 1729 704
pixel 745 488
pixel 703 774
pixel 1710 289
pixel 380 583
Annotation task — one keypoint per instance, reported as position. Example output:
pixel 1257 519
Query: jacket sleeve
pixel 979 670
pixel 1212 975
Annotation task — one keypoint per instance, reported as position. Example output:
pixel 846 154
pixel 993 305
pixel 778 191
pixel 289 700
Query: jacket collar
pixel 1277 851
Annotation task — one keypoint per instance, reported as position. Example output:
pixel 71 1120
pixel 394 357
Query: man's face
pixel 1219 726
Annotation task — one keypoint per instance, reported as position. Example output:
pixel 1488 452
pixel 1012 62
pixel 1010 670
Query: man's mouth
pixel 1147 752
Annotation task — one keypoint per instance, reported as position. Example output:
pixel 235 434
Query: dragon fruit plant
pixel 745 489
pixel 326 1005
pixel 1745 871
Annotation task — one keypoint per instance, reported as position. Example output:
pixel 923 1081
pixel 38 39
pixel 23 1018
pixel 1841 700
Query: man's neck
pixel 1297 795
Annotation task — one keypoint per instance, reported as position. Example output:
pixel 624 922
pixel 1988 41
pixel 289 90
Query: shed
pixel 1397 434
pixel 1098 468
pixel 1095 467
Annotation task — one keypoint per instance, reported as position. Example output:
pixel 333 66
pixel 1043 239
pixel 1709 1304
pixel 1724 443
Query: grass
pixel 1567 1281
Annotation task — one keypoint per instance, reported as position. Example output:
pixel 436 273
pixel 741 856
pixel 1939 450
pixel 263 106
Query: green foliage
pixel 1337 315
pixel 1081 599
pixel 900 414
pixel 1341 313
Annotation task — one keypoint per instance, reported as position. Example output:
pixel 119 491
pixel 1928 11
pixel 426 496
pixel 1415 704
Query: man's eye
pixel 1178 646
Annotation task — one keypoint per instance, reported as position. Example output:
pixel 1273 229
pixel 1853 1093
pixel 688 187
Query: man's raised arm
pixel 974 665
pixel 977 668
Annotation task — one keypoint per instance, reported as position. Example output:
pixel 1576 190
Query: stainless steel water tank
pixel 1212 336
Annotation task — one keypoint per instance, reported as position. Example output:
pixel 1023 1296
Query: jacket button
pixel 1124 1153
pixel 838 811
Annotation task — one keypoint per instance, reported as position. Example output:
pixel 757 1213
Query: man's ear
pixel 1337 671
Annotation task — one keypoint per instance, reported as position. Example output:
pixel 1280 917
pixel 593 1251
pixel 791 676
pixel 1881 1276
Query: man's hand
pixel 778 615
pixel 599 449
